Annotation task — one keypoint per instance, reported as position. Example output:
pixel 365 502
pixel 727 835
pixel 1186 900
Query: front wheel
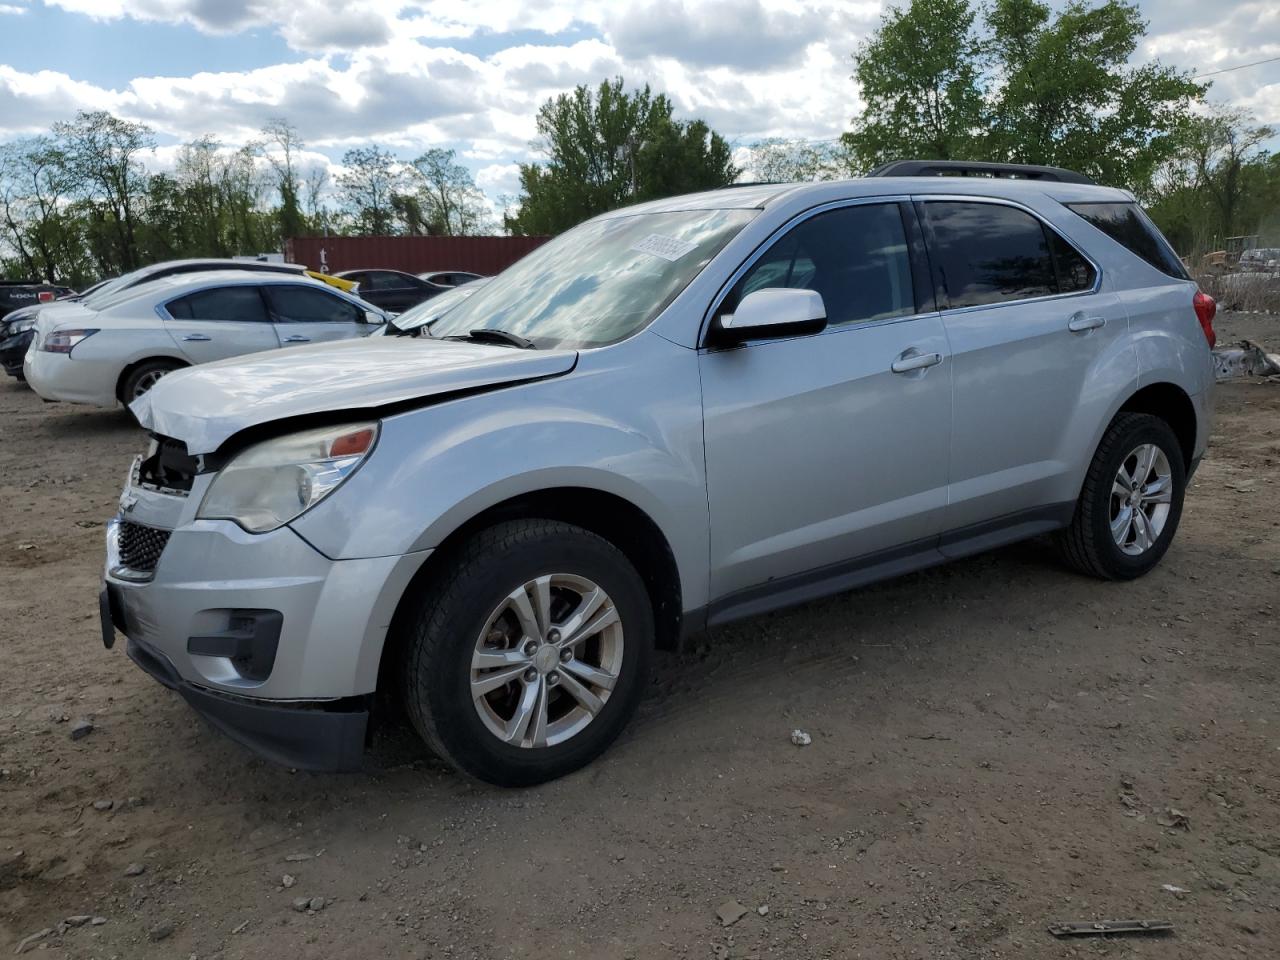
pixel 1131 502
pixel 529 657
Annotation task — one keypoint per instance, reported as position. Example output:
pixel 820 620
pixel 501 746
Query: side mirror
pixel 372 316
pixel 774 312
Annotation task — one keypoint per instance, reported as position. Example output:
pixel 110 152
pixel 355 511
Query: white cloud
pixel 408 74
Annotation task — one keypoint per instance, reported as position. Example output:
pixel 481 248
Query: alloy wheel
pixel 1141 495
pixel 146 382
pixel 547 660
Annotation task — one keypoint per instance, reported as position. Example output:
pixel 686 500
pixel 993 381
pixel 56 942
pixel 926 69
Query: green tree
pixel 1025 85
pixel 921 77
pixel 1070 99
pixel 105 154
pixel 281 147
pixel 1221 182
pixel 449 203
pixel 777 160
pixel 371 177
pixel 611 147
pixel 36 187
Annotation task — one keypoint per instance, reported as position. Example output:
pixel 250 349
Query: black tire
pixel 443 630
pixel 1087 544
pixel 141 374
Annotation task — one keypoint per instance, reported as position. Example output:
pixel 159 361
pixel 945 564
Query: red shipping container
pixel 483 255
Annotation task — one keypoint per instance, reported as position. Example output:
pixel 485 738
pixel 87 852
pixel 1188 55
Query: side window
pixel 1075 273
pixel 292 303
pixel 1126 224
pixel 242 303
pixel 384 280
pixel 989 253
pixel 856 257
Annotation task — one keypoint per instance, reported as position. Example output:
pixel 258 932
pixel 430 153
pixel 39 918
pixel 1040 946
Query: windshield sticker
pixel 668 248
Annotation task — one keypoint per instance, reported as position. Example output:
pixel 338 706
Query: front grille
pixel 140 546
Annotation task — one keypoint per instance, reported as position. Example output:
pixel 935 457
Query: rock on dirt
pixel 730 913
pixel 81 729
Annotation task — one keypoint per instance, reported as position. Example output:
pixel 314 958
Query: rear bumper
pixel 61 376
pixel 324 736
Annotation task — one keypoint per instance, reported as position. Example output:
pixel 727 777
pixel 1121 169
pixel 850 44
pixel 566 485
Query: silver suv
pixel 672 416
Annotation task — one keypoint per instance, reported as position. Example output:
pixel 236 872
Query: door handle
pixel 297 339
pixel 1080 323
pixel 918 362
pixel 197 337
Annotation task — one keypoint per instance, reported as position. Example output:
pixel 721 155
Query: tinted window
pixel 1075 273
pixel 220 303
pixel 291 303
pixel 989 253
pixel 385 280
pixel 856 257
pixel 1127 225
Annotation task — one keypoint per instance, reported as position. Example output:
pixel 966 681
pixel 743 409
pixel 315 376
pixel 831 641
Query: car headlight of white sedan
pixel 270 483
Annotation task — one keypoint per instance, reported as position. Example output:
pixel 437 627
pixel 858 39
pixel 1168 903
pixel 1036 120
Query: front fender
pixel 627 422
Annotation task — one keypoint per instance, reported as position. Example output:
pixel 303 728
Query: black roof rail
pixel 975 168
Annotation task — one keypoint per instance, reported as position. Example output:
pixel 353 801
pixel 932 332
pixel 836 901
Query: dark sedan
pixel 393 290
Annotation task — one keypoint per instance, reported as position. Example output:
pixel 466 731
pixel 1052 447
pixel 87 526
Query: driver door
pixel 827 454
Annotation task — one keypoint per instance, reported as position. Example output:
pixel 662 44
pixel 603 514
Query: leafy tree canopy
pixel 611 147
pixel 1023 85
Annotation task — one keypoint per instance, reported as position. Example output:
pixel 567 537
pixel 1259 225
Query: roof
pixel 758 196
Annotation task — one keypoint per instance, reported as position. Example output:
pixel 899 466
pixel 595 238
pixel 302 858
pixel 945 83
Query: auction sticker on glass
pixel 668 248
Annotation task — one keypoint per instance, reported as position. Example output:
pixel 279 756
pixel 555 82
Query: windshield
pixel 435 308
pixel 600 282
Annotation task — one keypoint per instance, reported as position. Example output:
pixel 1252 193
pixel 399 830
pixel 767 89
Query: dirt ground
pixel 996 746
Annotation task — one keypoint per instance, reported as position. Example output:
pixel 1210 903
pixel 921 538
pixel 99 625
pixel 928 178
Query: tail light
pixel 1205 310
pixel 64 341
pixel 46 296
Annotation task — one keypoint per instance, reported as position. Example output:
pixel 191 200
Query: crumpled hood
pixel 206 404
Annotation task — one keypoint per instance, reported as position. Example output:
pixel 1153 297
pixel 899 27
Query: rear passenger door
pixel 220 322
pixel 1033 343
pixel 304 314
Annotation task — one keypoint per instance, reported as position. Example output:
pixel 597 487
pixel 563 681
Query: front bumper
pixel 276 644
pixel 325 736
pixel 13 350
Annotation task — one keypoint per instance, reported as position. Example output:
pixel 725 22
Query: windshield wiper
pixel 489 335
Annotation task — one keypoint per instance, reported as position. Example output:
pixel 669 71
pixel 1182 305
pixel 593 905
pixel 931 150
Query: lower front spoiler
pixel 321 736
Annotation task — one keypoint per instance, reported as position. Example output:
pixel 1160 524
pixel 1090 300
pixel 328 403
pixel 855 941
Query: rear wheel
pixel 526 661
pixel 1131 502
pixel 143 377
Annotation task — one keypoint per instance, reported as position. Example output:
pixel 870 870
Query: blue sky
pixel 470 74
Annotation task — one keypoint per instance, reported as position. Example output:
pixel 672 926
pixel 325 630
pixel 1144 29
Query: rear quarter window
pixel 1127 225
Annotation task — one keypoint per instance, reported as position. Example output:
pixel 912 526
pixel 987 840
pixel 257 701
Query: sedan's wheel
pixel 528 657
pixel 143 377
pixel 1131 501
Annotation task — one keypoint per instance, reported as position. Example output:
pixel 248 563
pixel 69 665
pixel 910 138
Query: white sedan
pixel 115 349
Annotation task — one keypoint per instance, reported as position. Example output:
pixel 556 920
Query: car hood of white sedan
pixel 204 405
